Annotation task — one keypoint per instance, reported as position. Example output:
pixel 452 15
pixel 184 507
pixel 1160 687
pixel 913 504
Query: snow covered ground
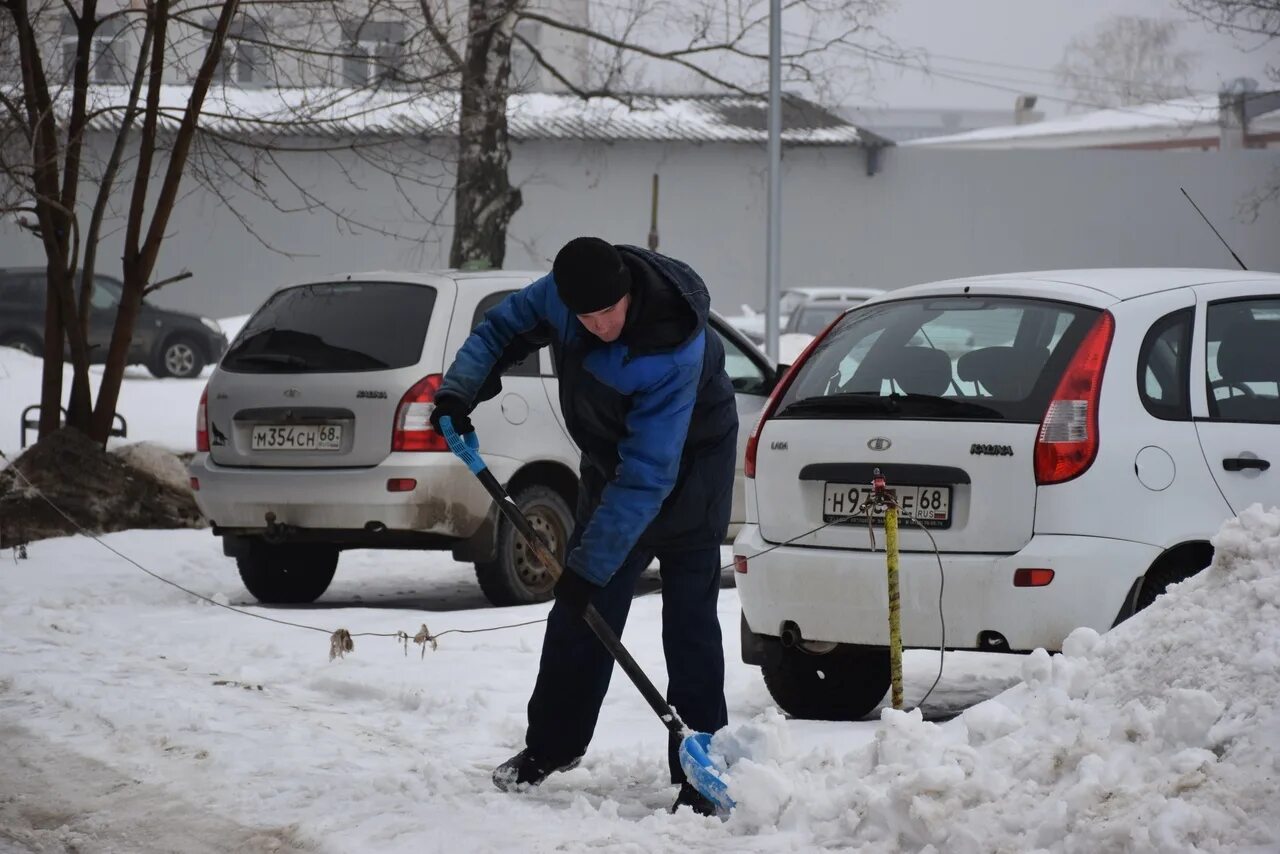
pixel 161 411
pixel 136 717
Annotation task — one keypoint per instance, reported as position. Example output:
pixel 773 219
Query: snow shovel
pixel 694 758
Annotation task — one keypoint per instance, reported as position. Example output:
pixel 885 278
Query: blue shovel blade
pixel 702 772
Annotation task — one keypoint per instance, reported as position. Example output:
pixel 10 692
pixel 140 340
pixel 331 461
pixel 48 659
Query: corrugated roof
pixel 336 112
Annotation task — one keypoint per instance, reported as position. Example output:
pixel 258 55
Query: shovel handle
pixel 468 450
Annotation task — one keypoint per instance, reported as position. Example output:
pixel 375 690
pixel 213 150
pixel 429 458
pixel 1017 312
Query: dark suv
pixel 169 343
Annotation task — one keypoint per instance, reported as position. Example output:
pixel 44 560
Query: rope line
pixel 341 639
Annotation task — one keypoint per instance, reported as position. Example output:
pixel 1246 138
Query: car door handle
pixel 1242 463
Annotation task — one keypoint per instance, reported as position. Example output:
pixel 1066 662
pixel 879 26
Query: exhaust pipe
pixel 276 532
pixel 791 638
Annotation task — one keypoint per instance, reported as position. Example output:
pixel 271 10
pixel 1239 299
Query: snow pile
pixel 156 461
pixel 1161 735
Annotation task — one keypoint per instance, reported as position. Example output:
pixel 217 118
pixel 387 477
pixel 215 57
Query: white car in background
pixel 816 313
pixel 1070 440
pixel 751 323
pixel 313 435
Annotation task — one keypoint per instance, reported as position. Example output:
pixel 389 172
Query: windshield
pixel 988 358
pixel 335 327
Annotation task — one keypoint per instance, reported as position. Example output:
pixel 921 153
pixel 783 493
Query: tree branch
pixel 675 57
pixel 439 35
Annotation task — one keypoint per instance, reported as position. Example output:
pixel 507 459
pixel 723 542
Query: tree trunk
pixel 55 214
pixel 484 201
pixel 51 376
pixel 140 252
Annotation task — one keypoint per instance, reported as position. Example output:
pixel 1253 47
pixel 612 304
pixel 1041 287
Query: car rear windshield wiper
pixel 849 401
pixel 932 404
pixel 285 359
pixel 897 404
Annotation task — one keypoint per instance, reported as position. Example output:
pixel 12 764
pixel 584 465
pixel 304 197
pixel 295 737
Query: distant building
pixel 1240 117
pixel 901 124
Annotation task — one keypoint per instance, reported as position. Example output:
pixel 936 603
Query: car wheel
pixel 23 342
pixel 287 574
pixel 180 356
pixel 515 576
pixel 845 684
pixel 1157 581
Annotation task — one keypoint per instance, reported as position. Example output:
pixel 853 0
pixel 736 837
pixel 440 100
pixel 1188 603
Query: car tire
pixel 181 357
pixel 22 341
pixel 845 684
pixel 287 574
pixel 514 576
pixel 1158 580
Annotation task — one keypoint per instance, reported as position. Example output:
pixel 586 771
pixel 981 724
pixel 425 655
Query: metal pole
pixel 774 250
pixel 653 217
pixel 895 605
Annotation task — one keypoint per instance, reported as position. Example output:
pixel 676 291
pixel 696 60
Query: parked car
pixel 1071 451
pixel 816 314
pixel 751 323
pixel 169 343
pixel 313 435
pixel 821 306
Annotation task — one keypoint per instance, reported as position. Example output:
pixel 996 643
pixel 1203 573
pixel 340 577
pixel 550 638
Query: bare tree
pixel 1127 59
pixel 74 82
pixel 1255 23
pixel 1239 17
pixel 721 44
pixel 95 146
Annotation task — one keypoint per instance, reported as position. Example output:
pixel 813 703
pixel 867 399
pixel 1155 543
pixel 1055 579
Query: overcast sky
pixel 960 34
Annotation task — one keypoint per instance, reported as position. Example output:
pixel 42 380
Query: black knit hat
pixel 590 275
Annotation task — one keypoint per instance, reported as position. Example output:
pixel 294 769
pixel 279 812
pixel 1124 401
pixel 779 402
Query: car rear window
pixel 333 328
pixel 981 358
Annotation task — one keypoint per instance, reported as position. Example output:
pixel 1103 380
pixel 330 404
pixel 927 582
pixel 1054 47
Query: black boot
pixel 524 771
pixel 694 800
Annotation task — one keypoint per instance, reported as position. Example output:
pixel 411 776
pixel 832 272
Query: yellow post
pixel 895 605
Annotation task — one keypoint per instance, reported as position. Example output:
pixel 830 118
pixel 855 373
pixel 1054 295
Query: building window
pixel 373 52
pixel 107 55
pixel 524 68
pixel 245 57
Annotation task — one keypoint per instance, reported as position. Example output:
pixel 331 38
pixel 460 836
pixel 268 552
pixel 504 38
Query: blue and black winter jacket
pixel 652 412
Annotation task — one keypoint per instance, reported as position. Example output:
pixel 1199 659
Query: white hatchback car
pixel 313 435
pixel 1071 441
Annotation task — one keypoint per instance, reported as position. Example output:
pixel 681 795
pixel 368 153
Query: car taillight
pixel 412 430
pixel 753 441
pixel 202 421
pixel 1068 440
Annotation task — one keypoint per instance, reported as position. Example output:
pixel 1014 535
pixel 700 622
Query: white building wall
pixel 926 215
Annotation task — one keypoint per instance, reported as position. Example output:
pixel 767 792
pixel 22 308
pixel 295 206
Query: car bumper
pixel 447 501
pixel 841 596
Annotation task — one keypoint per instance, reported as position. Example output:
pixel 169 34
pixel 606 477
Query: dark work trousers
pixel 575 669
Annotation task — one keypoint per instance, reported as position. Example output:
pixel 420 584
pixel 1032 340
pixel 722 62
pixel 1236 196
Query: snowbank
pixel 156 461
pixel 1161 735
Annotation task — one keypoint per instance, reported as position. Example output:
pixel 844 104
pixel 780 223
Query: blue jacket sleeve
pixel 649 465
pixel 516 315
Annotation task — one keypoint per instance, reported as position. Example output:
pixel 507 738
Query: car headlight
pixel 212 324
